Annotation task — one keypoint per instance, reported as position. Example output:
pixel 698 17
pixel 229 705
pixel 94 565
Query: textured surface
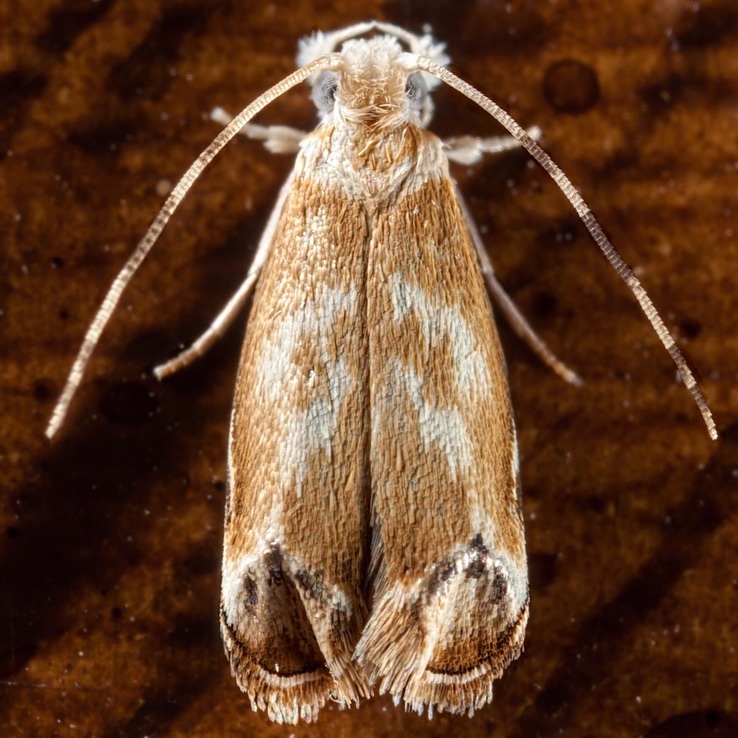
pixel 111 536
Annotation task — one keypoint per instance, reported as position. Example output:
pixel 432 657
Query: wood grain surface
pixel 110 537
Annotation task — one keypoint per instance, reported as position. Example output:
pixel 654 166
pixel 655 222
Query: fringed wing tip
pixel 296 694
pixel 465 693
pixel 431 656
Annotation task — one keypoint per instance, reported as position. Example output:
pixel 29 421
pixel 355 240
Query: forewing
pixel 296 533
pixel 450 597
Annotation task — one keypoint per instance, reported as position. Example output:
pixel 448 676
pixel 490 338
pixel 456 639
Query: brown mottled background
pixel 110 536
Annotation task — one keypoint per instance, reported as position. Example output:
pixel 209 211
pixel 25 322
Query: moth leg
pixel 216 329
pixel 219 326
pixel 469 149
pixel 510 310
pixel 277 139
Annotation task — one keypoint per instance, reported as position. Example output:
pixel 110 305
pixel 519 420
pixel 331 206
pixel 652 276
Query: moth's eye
pixel 324 91
pixel 416 91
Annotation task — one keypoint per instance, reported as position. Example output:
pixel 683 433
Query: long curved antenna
pixel 594 228
pixel 175 198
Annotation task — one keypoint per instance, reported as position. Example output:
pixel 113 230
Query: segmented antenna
pixel 175 198
pixel 333 60
pixel 594 228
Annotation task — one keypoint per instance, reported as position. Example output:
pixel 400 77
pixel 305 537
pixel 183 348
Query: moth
pixel 373 530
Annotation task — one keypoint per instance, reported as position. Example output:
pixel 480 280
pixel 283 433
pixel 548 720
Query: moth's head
pixel 374 83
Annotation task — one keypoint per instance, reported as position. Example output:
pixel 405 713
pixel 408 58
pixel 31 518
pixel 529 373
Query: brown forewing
pixel 450 598
pixel 297 528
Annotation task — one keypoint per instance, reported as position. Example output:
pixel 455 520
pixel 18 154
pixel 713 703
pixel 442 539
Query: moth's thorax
pixel 371 166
